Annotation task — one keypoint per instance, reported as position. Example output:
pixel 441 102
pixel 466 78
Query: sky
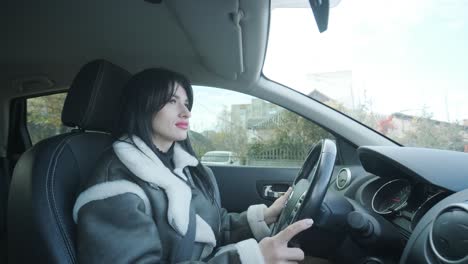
pixel 403 56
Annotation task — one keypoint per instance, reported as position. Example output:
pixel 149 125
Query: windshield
pixel 399 67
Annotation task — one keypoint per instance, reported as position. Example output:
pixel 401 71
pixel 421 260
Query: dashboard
pixel 410 204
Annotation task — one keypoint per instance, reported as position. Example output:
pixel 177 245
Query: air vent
pixel 343 179
pixel 449 234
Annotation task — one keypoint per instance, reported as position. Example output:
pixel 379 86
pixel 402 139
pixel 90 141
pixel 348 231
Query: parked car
pixel 380 96
pixel 220 158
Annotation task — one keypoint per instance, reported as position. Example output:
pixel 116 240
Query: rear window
pixel 44 116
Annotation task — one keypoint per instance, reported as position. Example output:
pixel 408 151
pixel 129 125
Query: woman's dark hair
pixel 145 94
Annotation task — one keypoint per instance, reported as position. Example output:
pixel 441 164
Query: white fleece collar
pixel 144 163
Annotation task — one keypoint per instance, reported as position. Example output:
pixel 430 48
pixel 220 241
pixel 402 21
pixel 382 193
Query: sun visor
pixel 216 30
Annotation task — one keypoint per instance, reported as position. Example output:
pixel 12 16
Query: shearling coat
pixel 135 210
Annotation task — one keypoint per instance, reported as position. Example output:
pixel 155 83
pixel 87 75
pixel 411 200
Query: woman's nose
pixel 185 112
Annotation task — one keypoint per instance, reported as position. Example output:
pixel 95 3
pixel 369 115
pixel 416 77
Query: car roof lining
pixel 52 39
pixel 209 40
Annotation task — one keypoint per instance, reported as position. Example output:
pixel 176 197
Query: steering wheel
pixel 310 186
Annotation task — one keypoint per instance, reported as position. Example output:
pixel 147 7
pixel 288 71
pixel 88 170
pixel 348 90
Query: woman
pixel 149 192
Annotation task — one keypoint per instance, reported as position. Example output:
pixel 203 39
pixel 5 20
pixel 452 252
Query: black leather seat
pixel 48 176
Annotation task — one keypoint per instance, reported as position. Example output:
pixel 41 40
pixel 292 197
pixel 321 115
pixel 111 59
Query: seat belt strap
pixel 184 249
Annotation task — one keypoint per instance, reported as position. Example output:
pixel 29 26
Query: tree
pixel 231 135
pixel 362 113
pixel 292 138
pixel 200 143
pixel 296 132
pixel 425 132
pixel 44 116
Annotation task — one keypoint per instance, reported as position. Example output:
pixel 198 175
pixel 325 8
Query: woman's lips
pixel 182 125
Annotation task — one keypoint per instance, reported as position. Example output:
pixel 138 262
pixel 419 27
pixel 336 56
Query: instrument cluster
pixel 400 201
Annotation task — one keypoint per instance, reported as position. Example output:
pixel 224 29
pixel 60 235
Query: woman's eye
pixel 172 101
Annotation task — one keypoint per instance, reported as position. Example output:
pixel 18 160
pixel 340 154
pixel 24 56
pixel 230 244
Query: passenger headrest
pixel 94 98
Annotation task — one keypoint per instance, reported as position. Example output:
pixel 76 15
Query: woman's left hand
pixel 272 213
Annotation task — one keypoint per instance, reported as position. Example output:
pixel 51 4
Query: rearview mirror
pixel 321 9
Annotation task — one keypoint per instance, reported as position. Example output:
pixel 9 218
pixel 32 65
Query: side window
pixel 44 116
pixel 230 128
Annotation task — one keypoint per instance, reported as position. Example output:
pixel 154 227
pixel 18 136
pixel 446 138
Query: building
pixel 337 85
pixel 247 115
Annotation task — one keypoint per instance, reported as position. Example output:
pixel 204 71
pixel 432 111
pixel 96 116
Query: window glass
pixel 247 131
pixel 397 66
pixel 44 116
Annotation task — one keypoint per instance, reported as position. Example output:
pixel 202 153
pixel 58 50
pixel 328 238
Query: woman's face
pixel 171 123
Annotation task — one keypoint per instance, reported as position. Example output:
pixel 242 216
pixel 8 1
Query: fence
pixel 278 157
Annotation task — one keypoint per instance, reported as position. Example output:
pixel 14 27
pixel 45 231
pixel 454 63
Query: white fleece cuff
pixel 256 220
pixel 249 252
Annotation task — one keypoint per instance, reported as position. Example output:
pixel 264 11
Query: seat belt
pixel 184 249
pixel 185 246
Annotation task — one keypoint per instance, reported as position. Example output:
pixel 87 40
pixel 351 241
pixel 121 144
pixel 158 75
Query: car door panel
pixel 241 187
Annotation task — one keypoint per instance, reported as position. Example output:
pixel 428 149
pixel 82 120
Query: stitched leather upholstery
pixel 90 102
pixel 47 178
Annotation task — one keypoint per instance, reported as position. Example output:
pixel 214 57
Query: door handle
pixel 268 192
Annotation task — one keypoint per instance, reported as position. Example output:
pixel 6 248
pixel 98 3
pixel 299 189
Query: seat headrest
pixel 94 98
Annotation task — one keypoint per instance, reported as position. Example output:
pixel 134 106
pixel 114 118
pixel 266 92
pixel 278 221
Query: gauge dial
pixel 392 196
pixel 426 206
pixel 343 178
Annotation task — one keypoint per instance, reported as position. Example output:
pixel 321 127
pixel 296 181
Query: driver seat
pixel 48 176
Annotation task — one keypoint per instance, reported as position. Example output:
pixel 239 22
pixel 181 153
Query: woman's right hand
pixel 275 249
